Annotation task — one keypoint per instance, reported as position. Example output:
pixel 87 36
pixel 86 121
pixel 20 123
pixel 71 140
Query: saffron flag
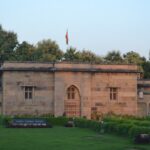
pixel 67 39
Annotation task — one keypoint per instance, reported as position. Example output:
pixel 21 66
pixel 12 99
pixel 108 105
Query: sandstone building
pixel 144 97
pixel 72 89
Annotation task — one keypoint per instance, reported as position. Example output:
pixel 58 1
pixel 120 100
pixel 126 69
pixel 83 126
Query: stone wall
pixel 14 102
pixel 50 88
pixel 80 80
pixel 144 99
pixel 126 102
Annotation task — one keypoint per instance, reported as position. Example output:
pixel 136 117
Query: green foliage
pixel 24 52
pixel 128 126
pixel 113 57
pixel 72 55
pixel 88 56
pixel 1 119
pixel 8 42
pixel 48 50
pixel 81 56
pixel 91 124
pixel 133 58
pixel 125 126
pixel 146 68
pixel 59 121
pixel 6 120
pixel 60 138
pixel 135 130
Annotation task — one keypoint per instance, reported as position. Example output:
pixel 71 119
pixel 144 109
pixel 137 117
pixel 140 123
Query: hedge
pixel 128 126
pixel 91 124
pixel 58 121
pixel 110 124
pixel 125 126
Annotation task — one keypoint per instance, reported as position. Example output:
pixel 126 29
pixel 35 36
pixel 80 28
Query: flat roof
pixel 68 67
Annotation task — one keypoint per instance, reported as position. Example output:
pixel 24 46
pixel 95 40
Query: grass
pixel 60 138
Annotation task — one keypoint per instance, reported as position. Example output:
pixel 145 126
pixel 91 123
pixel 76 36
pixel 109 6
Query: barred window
pixel 71 92
pixel 28 92
pixel 113 93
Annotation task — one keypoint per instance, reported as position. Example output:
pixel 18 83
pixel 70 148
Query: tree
pixel 72 54
pixel 8 42
pixel 133 58
pixel 48 50
pixel 81 56
pixel 146 68
pixel 88 56
pixel 24 52
pixel 113 57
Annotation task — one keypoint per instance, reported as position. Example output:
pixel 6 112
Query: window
pixel 113 93
pixel 71 92
pixel 28 92
pixel 140 93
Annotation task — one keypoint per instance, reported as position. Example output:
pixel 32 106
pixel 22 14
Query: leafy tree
pixel 84 56
pixel 24 52
pixel 88 56
pixel 146 68
pixel 72 54
pixel 113 57
pixel 48 50
pixel 133 58
pixel 8 42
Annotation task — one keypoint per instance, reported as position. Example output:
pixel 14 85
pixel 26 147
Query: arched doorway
pixel 72 102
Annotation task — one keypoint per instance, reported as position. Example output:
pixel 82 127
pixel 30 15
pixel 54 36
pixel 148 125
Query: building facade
pixel 144 97
pixel 69 89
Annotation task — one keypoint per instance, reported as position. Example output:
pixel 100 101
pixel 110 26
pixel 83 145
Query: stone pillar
pixel 59 91
pixel 147 108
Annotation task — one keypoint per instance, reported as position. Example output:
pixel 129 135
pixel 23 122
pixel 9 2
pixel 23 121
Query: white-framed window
pixel 113 93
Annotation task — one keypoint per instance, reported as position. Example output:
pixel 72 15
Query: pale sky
pixel 96 25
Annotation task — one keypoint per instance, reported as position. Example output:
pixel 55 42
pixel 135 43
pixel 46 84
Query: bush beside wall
pixel 58 121
pixel 124 126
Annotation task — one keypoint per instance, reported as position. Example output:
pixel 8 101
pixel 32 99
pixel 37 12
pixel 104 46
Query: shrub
pixel 1 120
pixel 91 124
pixel 135 130
pixel 6 120
pixel 144 123
pixel 59 121
pixel 126 126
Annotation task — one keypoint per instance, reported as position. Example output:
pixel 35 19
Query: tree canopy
pixel 133 58
pixel 72 54
pixel 49 50
pixel 24 51
pixel 113 57
pixel 146 69
pixel 8 42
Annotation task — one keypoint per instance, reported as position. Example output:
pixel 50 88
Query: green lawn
pixel 60 138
